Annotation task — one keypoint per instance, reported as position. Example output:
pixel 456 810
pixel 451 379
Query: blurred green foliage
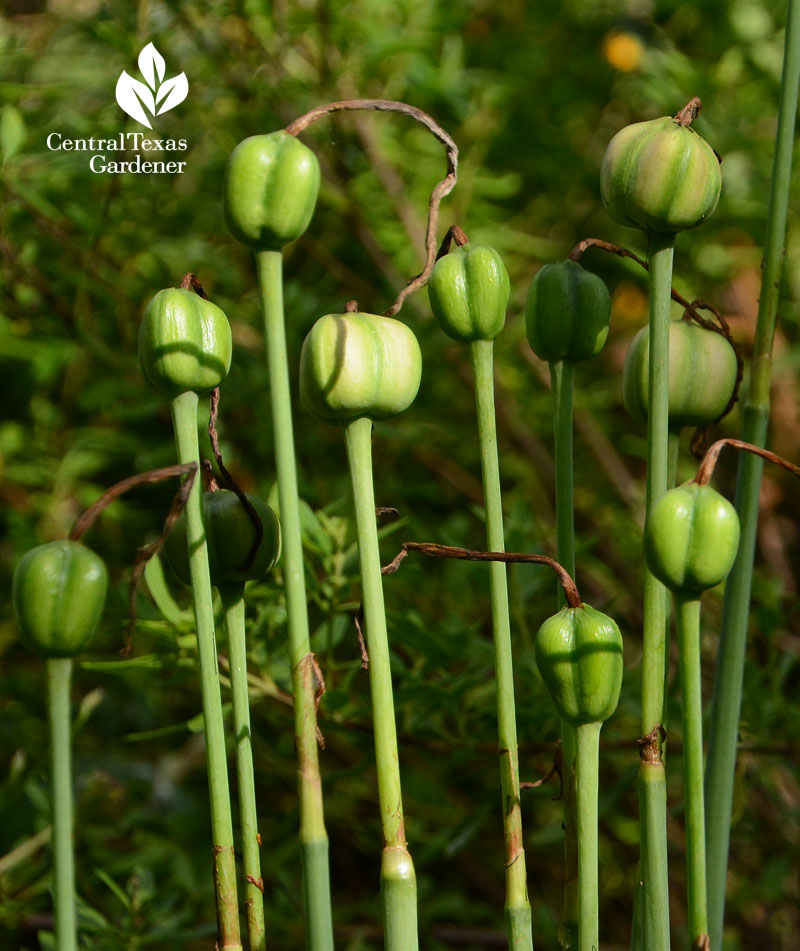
pixel 532 93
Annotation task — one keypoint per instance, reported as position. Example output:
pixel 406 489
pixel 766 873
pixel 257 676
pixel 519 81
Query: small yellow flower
pixel 623 51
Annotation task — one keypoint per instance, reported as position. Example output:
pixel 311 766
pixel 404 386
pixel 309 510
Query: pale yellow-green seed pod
pixel 702 375
pixel 660 176
pixel 359 365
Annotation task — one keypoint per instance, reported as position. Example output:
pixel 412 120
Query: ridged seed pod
pixel 357 365
pixel 184 343
pixel 568 313
pixel 660 176
pixel 230 534
pixel 468 291
pixel 702 375
pixel 270 191
pixel 579 655
pixel 59 591
pixel 691 538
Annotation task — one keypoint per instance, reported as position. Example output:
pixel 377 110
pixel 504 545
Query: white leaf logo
pixel 134 97
pixel 151 64
pixel 175 90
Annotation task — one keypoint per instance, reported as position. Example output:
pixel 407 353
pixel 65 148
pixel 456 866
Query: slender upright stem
pixel 184 419
pixel 518 909
pixel 562 376
pixel 673 451
pixel 59 675
pixel 727 698
pixel 313 836
pixel 570 910
pixel 587 765
pixel 233 606
pixel 687 621
pixel 398 882
pixel 655 605
pixel 653 790
pixel 655 914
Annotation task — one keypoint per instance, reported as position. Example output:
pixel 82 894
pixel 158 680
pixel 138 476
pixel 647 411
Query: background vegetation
pixel 532 93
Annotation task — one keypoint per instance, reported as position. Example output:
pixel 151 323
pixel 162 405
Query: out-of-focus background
pixel 532 93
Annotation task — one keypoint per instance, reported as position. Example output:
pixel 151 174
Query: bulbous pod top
pixel 354 365
pixel 568 313
pixel 184 343
pixel 59 591
pixel 229 535
pixel 660 176
pixel 702 374
pixel 579 655
pixel 271 187
pixel 468 290
pixel 691 537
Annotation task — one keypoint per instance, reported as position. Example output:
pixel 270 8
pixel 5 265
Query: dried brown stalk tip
pixel 454 233
pixel 690 112
pixel 190 283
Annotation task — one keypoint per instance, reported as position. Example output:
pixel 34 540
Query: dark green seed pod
pixel 702 375
pixel 691 538
pixel 568 313
pixel 230 534
pixel 660 176
pixel 59 591
pixel 271 187
pixel 468 291
pixel 579 655
pixel 184 343
pixel 357 365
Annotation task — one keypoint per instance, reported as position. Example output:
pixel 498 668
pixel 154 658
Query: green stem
pixel 233 606
pixel 652 785
pixel 570 912
pixel 687 618
pixel 655 894
pixel 673 451
pixel 654 916
pixel 184 419
pixel 518 909
pixel 313 836
pixel 587 765
pixel 59 675
pixel 727 697
pixel 398 882
pixel 562 376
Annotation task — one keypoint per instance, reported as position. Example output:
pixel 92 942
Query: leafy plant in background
pixel 447 710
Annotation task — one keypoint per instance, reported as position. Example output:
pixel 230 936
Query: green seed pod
pixel 702 375
pixel 468 291
pixel 230 535
pixel 568 313
pixel 691 538
pixel 58 591
pixel 579 655
pixel 184 343
pixel 660 176
pixel 355 365
pixel 271 187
